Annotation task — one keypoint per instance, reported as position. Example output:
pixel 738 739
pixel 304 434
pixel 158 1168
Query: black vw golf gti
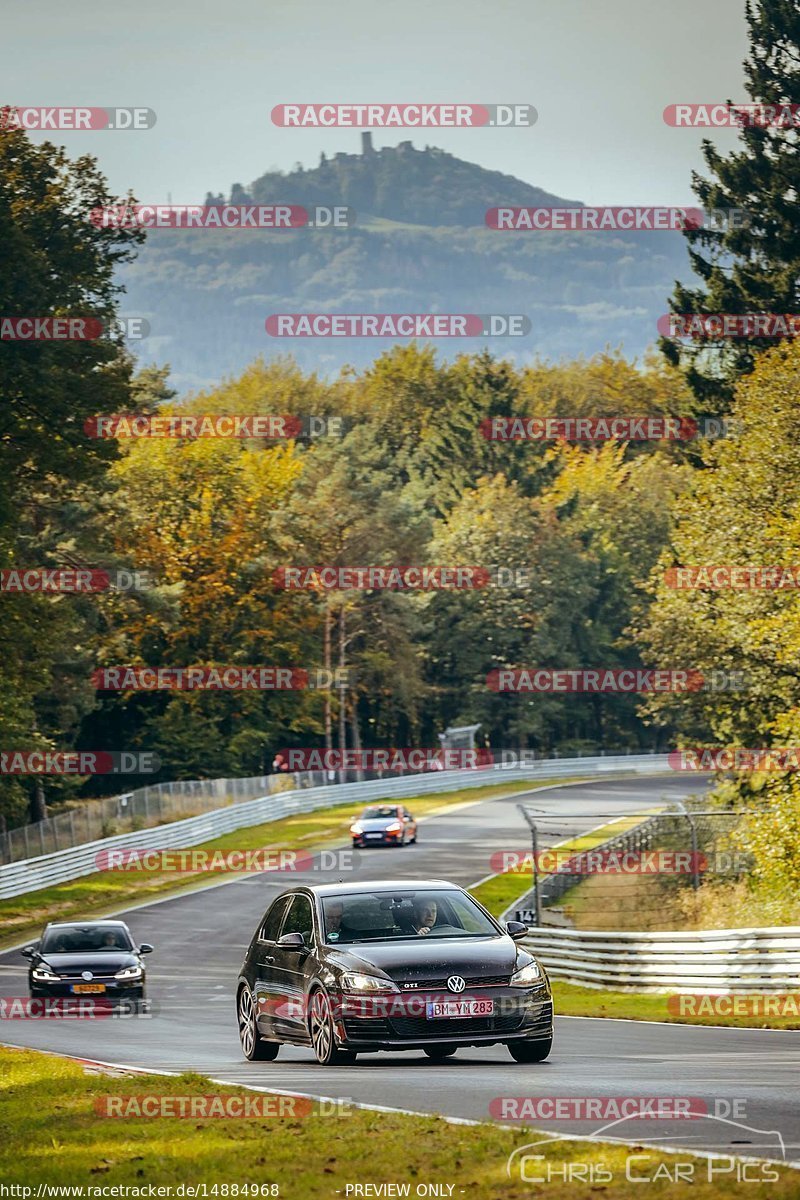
pixel 417 965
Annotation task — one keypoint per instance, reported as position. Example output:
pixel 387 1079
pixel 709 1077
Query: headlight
pixel 45 975
pixel 356 830
pixel 526 976
pixel 367 983
pixel 129 973
pixel 395 827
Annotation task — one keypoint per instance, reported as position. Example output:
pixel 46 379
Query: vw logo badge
pixel 87 975
pixel 456 984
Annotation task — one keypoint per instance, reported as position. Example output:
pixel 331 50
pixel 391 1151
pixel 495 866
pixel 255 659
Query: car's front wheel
pixel 320 1026
pixel 253 1047
pixel 439 1053
pixel 530 1052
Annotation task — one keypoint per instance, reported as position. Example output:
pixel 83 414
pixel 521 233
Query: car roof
pixel 375 885
pixel 82 924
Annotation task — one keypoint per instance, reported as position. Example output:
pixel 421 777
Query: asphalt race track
pixel 200 939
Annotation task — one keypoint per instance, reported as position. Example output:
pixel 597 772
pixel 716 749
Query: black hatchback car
pixel 355 968
pixel 96 958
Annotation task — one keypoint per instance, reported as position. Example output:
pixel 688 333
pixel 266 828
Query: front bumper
pixel 114 990
pixel 377 839
pixel 519 1015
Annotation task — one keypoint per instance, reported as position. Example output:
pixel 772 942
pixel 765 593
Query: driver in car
pixel 335 930
pixel 424 916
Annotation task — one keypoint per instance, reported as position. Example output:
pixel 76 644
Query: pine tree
pixel 754 267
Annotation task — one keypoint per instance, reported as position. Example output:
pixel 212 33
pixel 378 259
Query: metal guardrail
pixel 158 803
pixel 29 875
pixel 141 808
pixel 707 961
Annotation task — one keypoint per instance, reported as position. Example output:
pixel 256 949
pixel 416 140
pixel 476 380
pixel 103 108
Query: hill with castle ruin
pixel 419 244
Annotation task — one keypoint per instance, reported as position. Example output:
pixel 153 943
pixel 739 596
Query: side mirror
pixel 146 948
pixel 517 930
pixel 292 941
pixel 28 952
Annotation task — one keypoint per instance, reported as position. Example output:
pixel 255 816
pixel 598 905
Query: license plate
pixel 88 987
pixel 436 1009
pixel 375 835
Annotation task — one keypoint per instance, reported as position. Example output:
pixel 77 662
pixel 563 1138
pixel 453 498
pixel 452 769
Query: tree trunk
pixel 355 731
pixel 38 804
pixel 327 665
pixel 342 693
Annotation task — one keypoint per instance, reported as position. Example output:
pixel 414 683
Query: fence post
pixel 695 870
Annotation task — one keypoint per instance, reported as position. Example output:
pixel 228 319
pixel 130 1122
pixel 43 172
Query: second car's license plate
pixel 459 1008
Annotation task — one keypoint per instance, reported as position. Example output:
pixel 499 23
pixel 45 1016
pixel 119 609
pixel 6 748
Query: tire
pixel 413 841
pixel 530 1052
pixel 254 1048
pixel 439 1053
pixel 323 1038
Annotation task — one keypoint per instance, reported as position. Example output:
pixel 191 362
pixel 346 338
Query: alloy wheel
pixel 247 1025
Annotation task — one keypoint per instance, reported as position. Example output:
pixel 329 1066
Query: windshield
pixel 376 814
pixel 72 939
pixel 407 913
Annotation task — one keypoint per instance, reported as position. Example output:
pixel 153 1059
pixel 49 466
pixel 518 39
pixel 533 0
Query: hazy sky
pixel 599 72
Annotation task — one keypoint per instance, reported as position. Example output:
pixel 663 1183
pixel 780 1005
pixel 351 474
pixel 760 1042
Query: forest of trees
pixel 592 527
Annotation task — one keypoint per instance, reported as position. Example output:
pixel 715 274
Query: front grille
pixel 80 979
pixel 367 1028
pixel 421 1027
pixel 439 985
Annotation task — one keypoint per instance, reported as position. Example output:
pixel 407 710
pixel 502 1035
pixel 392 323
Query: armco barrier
pixel 30 874
pixel 706 961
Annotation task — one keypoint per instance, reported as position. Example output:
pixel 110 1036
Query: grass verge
pixel 53 1135
pixel 105 891
pixel 573 1001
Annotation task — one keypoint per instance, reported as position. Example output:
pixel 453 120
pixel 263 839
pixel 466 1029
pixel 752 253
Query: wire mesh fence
pixel 638 878
pixel 141 809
